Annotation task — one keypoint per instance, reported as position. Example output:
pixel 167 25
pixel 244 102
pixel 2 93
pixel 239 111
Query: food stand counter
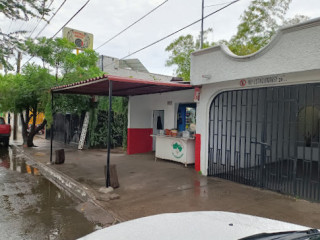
pixel 178 149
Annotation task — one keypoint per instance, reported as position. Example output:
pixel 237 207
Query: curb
pixel 67 184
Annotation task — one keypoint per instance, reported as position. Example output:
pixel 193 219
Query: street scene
pixel 129 120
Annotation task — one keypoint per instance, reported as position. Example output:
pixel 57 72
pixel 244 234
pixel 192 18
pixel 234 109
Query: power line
pixel 21 25
pixel 179 30
pixel 8 31
pixel 28 24
pixel 62 26
pixel 51 18
pixel 218 4
pixel 39 20
pixel 71 18
pixel 131 25
pixel 35 28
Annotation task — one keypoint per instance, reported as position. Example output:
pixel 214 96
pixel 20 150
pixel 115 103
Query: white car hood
pixel 192 225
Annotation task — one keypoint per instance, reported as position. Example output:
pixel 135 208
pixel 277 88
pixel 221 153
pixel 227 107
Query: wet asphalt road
pixel 33 208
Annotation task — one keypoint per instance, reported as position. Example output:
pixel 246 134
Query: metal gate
pixel 268 137
pixel 66 127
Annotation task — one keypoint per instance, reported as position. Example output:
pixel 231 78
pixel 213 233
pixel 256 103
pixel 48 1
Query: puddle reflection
pixel 11 160
pixel 200 187
pixel 34 208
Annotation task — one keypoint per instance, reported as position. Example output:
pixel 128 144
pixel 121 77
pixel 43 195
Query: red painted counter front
pixel 197 152
pixel 139 140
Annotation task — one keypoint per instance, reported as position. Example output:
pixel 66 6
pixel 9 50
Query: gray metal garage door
pixel 268 137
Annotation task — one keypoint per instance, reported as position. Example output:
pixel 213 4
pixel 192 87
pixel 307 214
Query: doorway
pixel 158 124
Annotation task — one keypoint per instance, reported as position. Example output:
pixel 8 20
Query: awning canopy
pixel 121 86
pixel 114 86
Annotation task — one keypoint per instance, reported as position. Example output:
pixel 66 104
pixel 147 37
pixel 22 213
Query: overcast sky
pixel 104 19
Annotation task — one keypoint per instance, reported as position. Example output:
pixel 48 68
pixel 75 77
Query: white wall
pixel 292 57
pixel 293 49
pixel 210 91
pixel 141 108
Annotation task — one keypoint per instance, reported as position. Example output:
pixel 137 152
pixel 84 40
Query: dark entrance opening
pixel 268 137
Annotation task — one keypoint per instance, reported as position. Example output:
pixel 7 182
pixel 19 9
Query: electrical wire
pixel 179 30
pixel 21 26
pixel 8 31
pixel 35 28
pixel 30 25
pixel 218 4
pixel 51 18
pixel 39 20
pixel 62 26
pixel 131 25
pixel 71 18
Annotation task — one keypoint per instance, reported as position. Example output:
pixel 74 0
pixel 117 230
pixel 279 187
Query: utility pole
pixel 15 116
pixel 19 62
pixel 201 34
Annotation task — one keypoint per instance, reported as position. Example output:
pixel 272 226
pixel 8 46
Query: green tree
pixel 53 53
pixel 18 10
pixel 181 49
pixel 25 9
pixel 98 130
pixel 27 94
pixel 57 55
pixel 258 24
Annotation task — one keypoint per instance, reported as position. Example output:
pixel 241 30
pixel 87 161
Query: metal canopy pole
pixel 109 134
pixel 51 129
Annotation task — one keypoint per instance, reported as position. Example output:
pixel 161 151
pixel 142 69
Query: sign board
pixel 82 40
pixel 260 81
pixel 196 96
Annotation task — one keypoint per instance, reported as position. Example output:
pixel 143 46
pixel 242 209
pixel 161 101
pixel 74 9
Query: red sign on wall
pixel 196 96
pixel 243 82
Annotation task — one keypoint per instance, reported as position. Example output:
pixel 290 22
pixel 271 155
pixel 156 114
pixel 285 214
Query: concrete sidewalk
pixel 149 187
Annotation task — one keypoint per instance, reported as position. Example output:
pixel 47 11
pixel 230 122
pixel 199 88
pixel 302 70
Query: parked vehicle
pixel 204 225
pixel 5 132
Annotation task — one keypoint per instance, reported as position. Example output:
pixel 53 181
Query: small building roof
pixel 133 64
pixel 121 86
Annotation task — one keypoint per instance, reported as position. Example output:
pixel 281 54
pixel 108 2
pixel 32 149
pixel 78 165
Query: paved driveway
pixel 150 187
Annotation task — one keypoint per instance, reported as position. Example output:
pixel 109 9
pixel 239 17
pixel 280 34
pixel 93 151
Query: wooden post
pixel 114 182
pixel 60 157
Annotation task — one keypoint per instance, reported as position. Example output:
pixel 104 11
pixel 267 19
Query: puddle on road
pixel 14 162
pixel 201 188
pixel 31 207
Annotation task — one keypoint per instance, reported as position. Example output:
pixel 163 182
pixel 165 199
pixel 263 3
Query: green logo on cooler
pixel 177 149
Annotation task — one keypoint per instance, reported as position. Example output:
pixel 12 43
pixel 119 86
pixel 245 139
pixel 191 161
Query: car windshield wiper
pixel 311 234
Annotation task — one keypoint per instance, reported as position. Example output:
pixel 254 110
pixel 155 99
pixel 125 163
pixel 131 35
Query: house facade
pixel 258 115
